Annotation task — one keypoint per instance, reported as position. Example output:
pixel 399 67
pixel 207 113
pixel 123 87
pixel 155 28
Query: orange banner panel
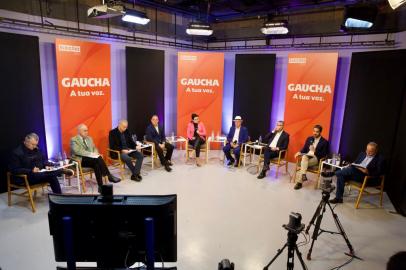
pixel 309 96
pixel 84 83
pixel 200 90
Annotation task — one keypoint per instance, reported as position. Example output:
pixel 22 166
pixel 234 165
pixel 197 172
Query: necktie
pixel 84 141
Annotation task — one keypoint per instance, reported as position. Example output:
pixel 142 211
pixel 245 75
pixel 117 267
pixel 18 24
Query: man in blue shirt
pixel 236 136
pixel 367 163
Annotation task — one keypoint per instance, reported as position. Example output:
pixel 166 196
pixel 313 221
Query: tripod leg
pixel 299 255
pixel 316 229
pixel 291 258
pixel 316 214
pixel 341 230
pixel 276 256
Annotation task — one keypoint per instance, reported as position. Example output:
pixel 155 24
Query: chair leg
pixel 293 178
pixel 9 190
pixel 82 180
pixel 316 186
pixel 286 166
pixel 361 191
pixel 381 196
pixel 31 200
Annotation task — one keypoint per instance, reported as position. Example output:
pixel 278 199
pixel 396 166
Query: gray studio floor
pixel 224 213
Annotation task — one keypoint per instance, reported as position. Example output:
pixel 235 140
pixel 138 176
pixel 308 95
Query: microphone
pixel 312 140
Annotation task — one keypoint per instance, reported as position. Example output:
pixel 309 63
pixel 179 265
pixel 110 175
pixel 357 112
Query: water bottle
pixel 65 158
pixel 60 161
pixel 134 137
pixel 333 161
pixel 339 159
pixel 218 135
pixel 260 139
pixel 173 136
pixel 212 135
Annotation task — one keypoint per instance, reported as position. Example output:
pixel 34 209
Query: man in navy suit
pixel 236 136
pixel 314 149
pixel 276 141
pixel 371 163
pixel 155 134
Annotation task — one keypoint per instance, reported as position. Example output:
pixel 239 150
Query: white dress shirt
pixel 366 161
pixel 315 143
pixel 236 135
pixel 157 129
pixel 275 139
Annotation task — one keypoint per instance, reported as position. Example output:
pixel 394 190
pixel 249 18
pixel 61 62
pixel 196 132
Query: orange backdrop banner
pixel 84 90
pixel 309 96
pixel 200 90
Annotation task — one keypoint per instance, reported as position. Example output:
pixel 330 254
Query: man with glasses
pixel 83 148
pixel 28 159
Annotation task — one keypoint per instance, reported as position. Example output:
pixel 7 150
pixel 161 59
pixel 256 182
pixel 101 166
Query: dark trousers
pixel 227 151
pixel 127 158
pixel 169 150
pixel 268 155
pixel 196 143
pixel 46 177
pixel 346 174
pixel 99 167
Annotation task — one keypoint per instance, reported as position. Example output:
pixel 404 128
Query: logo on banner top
pixel 68 48
pixel 188 57
pixel 296 60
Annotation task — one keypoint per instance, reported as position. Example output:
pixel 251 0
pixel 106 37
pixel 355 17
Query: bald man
pixel 367 163
pixel 120 140
pixel 83 148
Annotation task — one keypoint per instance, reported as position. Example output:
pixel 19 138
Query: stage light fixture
pixel 275 28
pixel 394 4
pixel 199 29
pixel 360 16
pixel 135 16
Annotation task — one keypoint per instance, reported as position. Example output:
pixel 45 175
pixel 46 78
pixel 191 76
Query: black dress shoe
pixel 113 179
pixel 68 172
pixel 168 168
pixel 170 163
pixel 336 200
pixel 139 176
pixel 230 162
pixel 135 178
pixel 298 186
pixel 262 174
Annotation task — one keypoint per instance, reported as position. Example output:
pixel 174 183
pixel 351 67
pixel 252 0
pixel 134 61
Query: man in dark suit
pixel 28 159
pixel 236 136
pixel 121 140
pixel 155 134
pixel 315 148
pixel 276 140
pixel 370 163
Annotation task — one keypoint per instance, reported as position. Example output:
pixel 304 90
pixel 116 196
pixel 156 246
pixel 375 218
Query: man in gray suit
pixel 83 148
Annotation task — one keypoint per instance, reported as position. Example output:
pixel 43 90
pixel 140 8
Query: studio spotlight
pixel 275 28
pixel 199 29
pixel 360 16
pixel 135 16
pixel 394 4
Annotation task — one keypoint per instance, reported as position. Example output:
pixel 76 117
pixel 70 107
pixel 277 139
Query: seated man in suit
pixel 276 140
pixel 315 148
pixel 120 140
pixel 236 136
pixel 83 148
pixel 156 135
pixel 371 163
pixel 28 159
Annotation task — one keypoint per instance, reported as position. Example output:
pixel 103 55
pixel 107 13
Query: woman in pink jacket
pixel 196 134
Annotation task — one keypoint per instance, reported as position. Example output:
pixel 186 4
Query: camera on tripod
pixel 326 184
pixel 295 223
